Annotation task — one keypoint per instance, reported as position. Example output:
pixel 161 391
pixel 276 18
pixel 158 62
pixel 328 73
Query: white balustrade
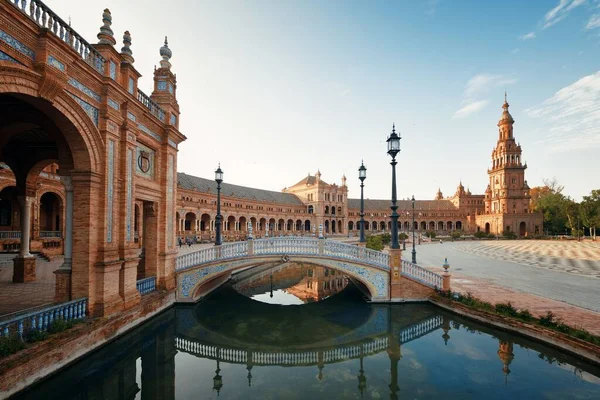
pixel 421 274
pixel 10 234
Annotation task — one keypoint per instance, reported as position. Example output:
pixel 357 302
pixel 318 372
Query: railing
pixel 10 234
pixel 285 245
pixel 362 254
pixel 42 15
pixel 50 234
pixel 146 285
pixel 421 274
pixel 422 328
pixel 154 108
pixel 41 320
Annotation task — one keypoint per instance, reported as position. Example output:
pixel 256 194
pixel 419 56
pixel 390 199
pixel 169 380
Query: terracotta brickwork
pixel 90 128
pixel 408 289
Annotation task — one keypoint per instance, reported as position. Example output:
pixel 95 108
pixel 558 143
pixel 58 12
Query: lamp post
pixel 219 180
pixel 393 143
pixel 414 251
pixel 362 175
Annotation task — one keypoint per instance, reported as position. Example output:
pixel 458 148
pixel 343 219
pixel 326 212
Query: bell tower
pixel 507 192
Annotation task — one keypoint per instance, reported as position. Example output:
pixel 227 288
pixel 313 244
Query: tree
pixel 375 243
pixel 589 212
pixel 557 208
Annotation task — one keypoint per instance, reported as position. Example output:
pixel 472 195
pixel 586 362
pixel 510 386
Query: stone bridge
pixel 201 271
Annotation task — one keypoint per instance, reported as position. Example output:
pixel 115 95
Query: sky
pixel 274 90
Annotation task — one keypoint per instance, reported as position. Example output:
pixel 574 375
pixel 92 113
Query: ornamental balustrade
pixel 10 234
pixel 50 234
pixel 41 320
pixel 146 285
pixel 286 245
pixel 421 274
pixel 151 105
pixel 43 16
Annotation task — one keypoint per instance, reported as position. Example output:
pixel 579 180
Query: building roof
pixel 372 205
pixel 309 180
pixel 203 185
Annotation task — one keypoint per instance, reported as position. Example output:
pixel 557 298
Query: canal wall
pixel 42 359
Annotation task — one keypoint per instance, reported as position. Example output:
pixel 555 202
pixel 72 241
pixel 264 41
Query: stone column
pixel 395 273
pixel 24 263
pixel 62 292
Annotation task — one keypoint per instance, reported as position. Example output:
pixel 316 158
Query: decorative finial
pixel 505 95
pixel 126 50
pixel 106 35
pixel 69 20
pixel 166 54
pixel 393 127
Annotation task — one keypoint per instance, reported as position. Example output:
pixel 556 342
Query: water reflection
pixel 232 347
pixel 289 283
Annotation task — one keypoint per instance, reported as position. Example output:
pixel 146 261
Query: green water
pixel 233 347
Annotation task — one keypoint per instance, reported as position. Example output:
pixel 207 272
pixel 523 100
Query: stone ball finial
pixel 106 35
pixel 165 53
pixel 126 50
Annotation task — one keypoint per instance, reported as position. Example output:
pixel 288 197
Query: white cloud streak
pixel 527 36
pixel 572 115
pixel 560 12
pixel 470 108
pixel 593 22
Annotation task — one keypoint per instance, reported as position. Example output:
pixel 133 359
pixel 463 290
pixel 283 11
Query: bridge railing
pixel 42 15
pixel 421 274
pixel 356 253
pixel 286 245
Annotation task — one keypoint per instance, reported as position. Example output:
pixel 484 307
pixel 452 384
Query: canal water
pixel 299 332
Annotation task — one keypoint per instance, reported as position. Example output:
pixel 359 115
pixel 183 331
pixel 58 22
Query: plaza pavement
pixel 562 277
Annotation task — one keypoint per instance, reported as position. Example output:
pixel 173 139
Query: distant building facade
pixel 300 209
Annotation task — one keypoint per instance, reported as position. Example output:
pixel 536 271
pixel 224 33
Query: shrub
pixel 386 238
pixel 509 235
pixel 548 319
pixel 10 345
pixel 506 309
pixel 430 234
pixel 402 236
pixel 525 315
pixel 37 336
pixel 480 235
pixel 60 325
pixel 456 234
pixel 374 243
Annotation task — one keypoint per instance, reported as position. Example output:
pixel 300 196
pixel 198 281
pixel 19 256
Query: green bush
pixel 509 235
pixel 36 336
pixel 525 315
pixel 548 319
pixel 374 243
pixel 402 236
pixel 456 234
pixel 480 235
pixel 506 309
pixel 10 345
pixel 60 325
pixel 386 238
pixel 430 234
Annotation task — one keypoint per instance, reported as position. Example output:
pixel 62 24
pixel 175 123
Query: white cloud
pixel 593 22
pixel 527 36
pixel 515 50
pixel 477 86
pixel 560 12
pixel 470 108
pixel 572 115
pixel 482 83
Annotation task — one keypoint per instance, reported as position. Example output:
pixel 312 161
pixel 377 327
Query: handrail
pixel 418 273
pixel 146 285
pixel 42 319
pixel 42 15
pixel 154 108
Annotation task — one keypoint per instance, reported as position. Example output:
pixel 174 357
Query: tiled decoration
pixel 129 193
pixel 113 104
pixel 76 84
pixel 6 57
pixel 55 63
pixel 173 119
pixel 113 70
pixel 144 161
pixel 110 194
pixel 15 44
pixel 171 88
pixel 131 116
pixel 131 85
pixel 162 85
pixel 170 195
pixel 145 129
pixel 90 110
pixel 172 143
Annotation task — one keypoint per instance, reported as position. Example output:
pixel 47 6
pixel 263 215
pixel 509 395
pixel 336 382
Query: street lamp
pixel 393 142
pixel 414 251
pixel 362 175
pixel 219 180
